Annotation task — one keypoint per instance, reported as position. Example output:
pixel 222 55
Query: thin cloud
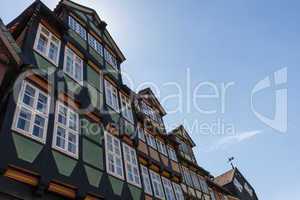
pixel 235 139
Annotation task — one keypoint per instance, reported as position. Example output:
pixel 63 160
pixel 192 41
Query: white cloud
pixel 235 139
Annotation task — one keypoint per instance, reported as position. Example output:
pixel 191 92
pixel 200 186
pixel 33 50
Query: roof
pixel 8 45
pixel 225 178
pixel 184 134
pixel 149 95
pixel 101 23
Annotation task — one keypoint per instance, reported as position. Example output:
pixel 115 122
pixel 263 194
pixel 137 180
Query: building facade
pixel 71 129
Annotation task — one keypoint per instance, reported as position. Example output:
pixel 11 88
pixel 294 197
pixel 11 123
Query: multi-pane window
pixel 187 176
pixel 146 180
pixel 195 180
pixel 66 131
pixel 203 185
pixel 97 46
pixel 111 96
pixel 114 164
pixel 172 154
pixel 168 189
pixel 73 65
pixel 32 111
pixel 151 140
pixel 157 186
pixel 126 108
pixel 131 165
pixel 161 147
pixel 110 59
pixel 151 113
pixel 47 44
pixel 141 132
pixel 77 27
pixel 178 191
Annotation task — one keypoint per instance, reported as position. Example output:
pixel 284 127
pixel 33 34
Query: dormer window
pixel 47 44
pixel 77 27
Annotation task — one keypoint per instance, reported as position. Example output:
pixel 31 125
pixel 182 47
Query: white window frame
pixel 77 27
pixel 141 132
pixel 151 140
pixel 161 147
pixel 178 191
pixel 50 40
pixel 187 176
pixel 169 192
pixel 126 108
pixel 111 90
pixel 95 44
pixel 111 59
pixel 131 165
pixel 203 184
pixel 238 185
pixel 75 58
pixel 67 129
pixel 34 112
pixel 157 184
pixel 172 154
pixel 116 156
pixel 146 180
pixel 195 180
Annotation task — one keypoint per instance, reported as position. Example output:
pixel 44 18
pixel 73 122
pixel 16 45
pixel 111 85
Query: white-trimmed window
pixel 111 96
pixel 156 184
pixel 114 164
pixel 110 59
pixel 151 140
pixel 47 44
pixel 161 147
pixel 66 130
pixel 97 46
pixel 168 189
pixel 187 176
pixel 32 112
pixel 131 165
pixel 172 154
pixel 203 185
pixel 77 27
pixel 126 107
pixel 195 180
pixel 73 65
pixel 178 191
pixel 146 180
pixel 141 132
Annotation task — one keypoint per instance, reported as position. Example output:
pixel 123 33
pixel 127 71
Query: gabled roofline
pixel 160 107
pixel 181 127
pixel 94 13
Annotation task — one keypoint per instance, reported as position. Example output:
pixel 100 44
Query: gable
pixel 87 14
pixel 149 96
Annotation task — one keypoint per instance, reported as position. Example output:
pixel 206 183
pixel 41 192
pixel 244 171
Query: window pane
pixel 28 98
pixel 42 103
pixel 62 115
pixel 42 44
pixel 72 143
pixel 60 137
pixel 24 119
pixel 53 52
pixel 39 125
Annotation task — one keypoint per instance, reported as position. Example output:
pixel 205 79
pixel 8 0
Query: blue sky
pixel 218 41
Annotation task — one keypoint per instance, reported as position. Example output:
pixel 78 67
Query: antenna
pixel 230 160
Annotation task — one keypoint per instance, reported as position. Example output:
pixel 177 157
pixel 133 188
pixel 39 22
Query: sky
pixel 203 59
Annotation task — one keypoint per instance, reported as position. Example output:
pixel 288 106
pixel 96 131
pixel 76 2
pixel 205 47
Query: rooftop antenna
pixel 230 160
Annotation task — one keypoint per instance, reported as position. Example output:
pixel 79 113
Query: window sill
pixel 73 156
pixel 29 136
